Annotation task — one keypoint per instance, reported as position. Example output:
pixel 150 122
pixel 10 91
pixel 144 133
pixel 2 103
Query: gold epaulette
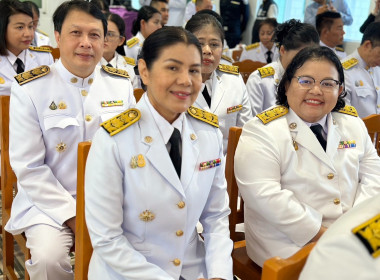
pixel 115 71
pixel 132 42
pixel 130 60
pixel 229 69
pixel 266 71
pixel 40 49
pixel 122 121
pixel 272 114
pixel 368 233
pixel 31 75
pixel 339 49
pixel 347 64
pixel 252 46
pixel 229 59
pixel 349 110
pixel 43 33
pixel 203 115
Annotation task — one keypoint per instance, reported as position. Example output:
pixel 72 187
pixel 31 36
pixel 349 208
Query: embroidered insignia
pixel 252 46
pixel 339 49
pixel 2 81
pixel 112 103
pixel 203 115
pixel 349 63
pixel 147 216
pixel 133 41
pixel 359 83
pixel 349 110
pixel 61 147
pixel 53 106
pixel 229 59
pixel 229 69
pixel 272 114
pixel 130 60
pixel 137 161
pixel 133 162
pixel 121 121
pixel 115 71
pixel 266 71
pixel 31 75
pixel 209 164
pixel 234 109
pixel 369 234
pixel 347 144
pixel 62 105
pixel 40 49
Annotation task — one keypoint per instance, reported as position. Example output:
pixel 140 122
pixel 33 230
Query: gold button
pixel 336 201
pixel 90 81
pixel 148 139
pixel 181 204
pixel 193 136
pixel 84 92
pixel 377 88
pixel 179 233
pixel 330 176
pixel 74 80
pixel 176 262
pixel 293 125
pixel 88 118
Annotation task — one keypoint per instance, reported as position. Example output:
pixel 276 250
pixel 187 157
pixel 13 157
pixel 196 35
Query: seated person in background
pixel 163 7
pixel 145 190
pixel 192 7
pixel 330 29
pixel 40 37
pixel 301 165
pixel 350 247
pixel 373 17
pixel 223 90
pixel 115 37
pixel 362 76
pixel 291 37
pixel 322 6
pixel 16 35
pixel 148 20
pixel 266 50
pixel 54 108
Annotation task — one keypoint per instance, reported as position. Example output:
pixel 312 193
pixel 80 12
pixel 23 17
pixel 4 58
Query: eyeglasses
pixel 111 36
pixel 307 82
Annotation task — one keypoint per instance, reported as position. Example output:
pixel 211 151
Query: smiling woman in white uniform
pixel 153 172
pixel 16 35
pixel 223 91
pixel 301 165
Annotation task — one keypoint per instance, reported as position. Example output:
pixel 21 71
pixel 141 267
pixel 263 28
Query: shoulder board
pixel 349 110
pixel 252 46
pixel 43 33
pixel 272 114
pixel 40 49
pixel 266 71
pixel 368 234
pixel 203 115
pixel 130 60
pixel 31 75
pixel 339 49
pixel 115 71
pixel 122 121
pixel 132 42
pixel 229 69
pixel 347 64
pixel 229 59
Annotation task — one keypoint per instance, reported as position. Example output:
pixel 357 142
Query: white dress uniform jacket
pixel 339 254
pixel 229 101
pixel 164 244
pixel 41 39
pixel 177 10
pixel 362 85
pixel 257 52
pixel 341 54
pixel 291 186
pixel 51 115
pixel 124 63
pixel 31 59
pixel 262 88
pixel 134 45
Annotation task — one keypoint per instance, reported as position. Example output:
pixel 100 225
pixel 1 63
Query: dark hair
pixel 325 20
pixel 313 53
pixel 153 2
pixel 145 13
pixel 33 6
pixel 212 13
pixel 101 4
pixel 201 20
pixel 372 34
pixel 269 21
pixel 9 8
pixel 293 34
pixel 118 21
pixel 63 10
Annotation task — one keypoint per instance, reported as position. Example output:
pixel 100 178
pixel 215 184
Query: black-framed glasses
pixel 307 82
pixel 111 36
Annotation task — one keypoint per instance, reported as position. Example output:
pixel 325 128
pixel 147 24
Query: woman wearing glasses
pixel 304 163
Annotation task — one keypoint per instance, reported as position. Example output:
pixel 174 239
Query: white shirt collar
pixel 12 58
pixel 70 78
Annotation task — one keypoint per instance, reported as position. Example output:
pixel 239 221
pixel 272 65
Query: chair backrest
pixel 55 52
pixel 246 67
pixel 372 123
pixel 236 54
pixel 138 92
pixel 83 247
pixel 237 212
pixel 286 269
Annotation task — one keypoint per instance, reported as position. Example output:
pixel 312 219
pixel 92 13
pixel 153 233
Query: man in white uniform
pixel 53 108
